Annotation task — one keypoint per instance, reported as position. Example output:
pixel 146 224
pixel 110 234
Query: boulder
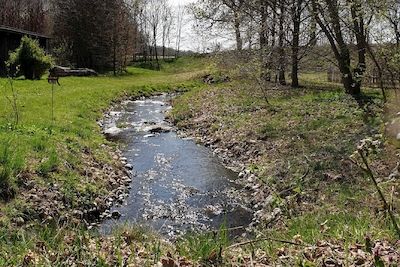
pixel 113 131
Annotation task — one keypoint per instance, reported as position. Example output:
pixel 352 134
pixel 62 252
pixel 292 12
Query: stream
pixel 177 185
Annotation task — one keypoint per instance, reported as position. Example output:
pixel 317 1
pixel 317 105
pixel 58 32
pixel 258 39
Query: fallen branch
pixel 366 168
pixel 225 230
pixel 266 239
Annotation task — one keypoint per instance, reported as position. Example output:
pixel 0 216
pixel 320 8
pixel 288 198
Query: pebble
pixel 19 221
pixel 129 166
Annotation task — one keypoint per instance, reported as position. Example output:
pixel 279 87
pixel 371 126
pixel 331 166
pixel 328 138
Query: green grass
pixel 204 248
pixel 56 245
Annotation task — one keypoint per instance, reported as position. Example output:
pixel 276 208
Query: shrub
pixel 29 59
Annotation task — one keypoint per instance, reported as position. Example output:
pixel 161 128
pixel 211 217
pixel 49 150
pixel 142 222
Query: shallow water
pixel 177 185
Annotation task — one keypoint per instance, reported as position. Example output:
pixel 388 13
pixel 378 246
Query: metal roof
pixel 4 28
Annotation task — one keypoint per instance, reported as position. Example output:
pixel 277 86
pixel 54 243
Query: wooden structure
pixel 10 39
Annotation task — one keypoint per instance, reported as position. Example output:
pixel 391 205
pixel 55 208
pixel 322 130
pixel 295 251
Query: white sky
pixel 190 39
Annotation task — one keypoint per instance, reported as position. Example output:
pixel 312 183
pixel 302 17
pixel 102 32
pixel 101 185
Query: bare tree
pixel 31 15
pixel 180 15
pixel 329 15
pixel 166 22
pixel 226 14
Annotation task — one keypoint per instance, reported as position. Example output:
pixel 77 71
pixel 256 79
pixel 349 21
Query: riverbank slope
pixel 294 147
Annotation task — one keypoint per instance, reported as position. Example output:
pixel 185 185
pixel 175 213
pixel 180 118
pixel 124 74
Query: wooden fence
pixel 370 79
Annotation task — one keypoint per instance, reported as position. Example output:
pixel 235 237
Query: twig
pixel 265 239
pixel 386 206
pixel 225 230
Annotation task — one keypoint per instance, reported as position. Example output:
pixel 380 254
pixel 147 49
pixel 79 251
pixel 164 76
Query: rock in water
pixel 116 214
pixel 158 129
pixel 129 166
pixel 113 131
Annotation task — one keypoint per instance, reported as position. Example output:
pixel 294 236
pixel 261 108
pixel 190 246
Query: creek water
pixel 177 185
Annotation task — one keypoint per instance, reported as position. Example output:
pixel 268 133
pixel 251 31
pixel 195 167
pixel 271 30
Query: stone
pixel 19 221
pixel 116 214
pixel 113 131
pixel 129 166
pixel 77 213
pixel 158 129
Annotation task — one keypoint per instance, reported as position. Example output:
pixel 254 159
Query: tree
pixel 226 14
pixel 100 33
pixel 297 8
pixel 166 24
pixel 31 15
pixel 329 15
pixel 392 14
pixel 153 16
pixel 29 59
pixel 179 16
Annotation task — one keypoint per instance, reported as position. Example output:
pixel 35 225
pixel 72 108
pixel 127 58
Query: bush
pixel 29 59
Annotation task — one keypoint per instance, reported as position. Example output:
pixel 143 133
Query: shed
pixel 10 39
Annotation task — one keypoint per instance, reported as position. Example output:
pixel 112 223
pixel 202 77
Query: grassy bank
pixel 298 144
pixel 54 174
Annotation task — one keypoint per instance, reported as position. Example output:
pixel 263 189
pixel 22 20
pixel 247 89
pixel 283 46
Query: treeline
pixel 30 15
pixel 109 34
pixel 100 34
pixel 360 33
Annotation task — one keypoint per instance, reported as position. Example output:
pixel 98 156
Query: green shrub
pixel 29 59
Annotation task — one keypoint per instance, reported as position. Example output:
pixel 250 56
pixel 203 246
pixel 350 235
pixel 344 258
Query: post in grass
pixel 53 81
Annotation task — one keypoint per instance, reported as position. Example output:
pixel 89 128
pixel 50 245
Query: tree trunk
pixel 273 26
pixel 155 46
pixel 282 55
pixel 296 19
pixel 239 41
pixel 264 57
pixel 339 47
pixel 264 26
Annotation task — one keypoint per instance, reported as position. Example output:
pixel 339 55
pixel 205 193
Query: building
pixel 10 39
